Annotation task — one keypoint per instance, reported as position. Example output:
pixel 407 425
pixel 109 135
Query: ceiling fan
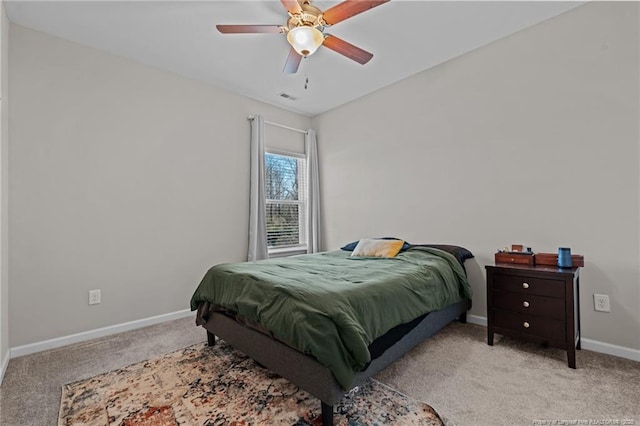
pixel 305 27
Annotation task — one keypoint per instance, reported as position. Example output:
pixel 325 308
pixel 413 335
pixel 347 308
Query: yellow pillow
pixel 377 248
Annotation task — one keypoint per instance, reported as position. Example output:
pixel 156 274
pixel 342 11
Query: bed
pixel 328 321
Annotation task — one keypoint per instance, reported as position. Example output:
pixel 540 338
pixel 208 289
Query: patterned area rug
pixel 218 385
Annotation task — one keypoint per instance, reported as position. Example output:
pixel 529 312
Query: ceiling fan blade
pixel 293 62
pixel 292 6
pixel 349 8
pixel 250 29
pixel 347 49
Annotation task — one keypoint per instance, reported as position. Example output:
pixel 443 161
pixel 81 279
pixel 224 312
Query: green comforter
pixel 331 305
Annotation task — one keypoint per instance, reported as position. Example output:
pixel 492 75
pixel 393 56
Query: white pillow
pixel 377 248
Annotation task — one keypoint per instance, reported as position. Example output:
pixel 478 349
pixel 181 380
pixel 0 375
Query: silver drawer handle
pixel 526 324
pixel 525 304
pixel 525 285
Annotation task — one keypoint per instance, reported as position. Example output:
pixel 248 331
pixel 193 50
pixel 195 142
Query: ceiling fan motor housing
pixel 310 16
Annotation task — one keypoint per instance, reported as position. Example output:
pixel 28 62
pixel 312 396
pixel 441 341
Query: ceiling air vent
pixel 287 96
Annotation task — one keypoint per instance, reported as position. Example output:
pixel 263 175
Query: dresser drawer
pixel 529 304
pixel 529 285
pixel 547 328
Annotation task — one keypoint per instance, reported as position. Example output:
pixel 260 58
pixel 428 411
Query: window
pixel 286 198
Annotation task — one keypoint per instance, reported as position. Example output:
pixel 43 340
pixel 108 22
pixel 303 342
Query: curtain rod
pixel 251 117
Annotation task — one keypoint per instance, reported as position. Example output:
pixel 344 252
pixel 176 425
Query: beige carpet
pixel 202 385
pixel 516 383
pixel 466 381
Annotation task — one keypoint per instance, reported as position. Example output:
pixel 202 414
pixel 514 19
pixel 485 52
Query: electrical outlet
pixel 94 297
pixel 601 303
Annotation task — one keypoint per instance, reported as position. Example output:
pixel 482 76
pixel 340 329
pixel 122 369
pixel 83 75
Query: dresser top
pixel 515 267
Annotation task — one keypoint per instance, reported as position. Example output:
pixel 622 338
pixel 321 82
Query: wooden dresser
pixel 536 303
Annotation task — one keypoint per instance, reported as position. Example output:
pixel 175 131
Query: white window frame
pixel 301 248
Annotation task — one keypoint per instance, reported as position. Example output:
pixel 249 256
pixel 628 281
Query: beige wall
pixel 4 193
pixel 122 178
pixel 532 139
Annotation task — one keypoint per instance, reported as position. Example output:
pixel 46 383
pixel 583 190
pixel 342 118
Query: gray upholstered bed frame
pixel 304 370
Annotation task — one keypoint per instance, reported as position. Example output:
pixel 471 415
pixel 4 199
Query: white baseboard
pixel 5 363
pixel 588 344
pixel 476 319
pixel 608 348
pixel 93 334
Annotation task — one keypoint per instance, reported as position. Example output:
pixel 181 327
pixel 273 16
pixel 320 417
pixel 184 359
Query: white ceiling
pixel 406 37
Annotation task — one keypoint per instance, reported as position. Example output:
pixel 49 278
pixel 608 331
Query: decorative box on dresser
pixel 536 303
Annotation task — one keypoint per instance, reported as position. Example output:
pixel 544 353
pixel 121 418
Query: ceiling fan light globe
pixel 305 39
